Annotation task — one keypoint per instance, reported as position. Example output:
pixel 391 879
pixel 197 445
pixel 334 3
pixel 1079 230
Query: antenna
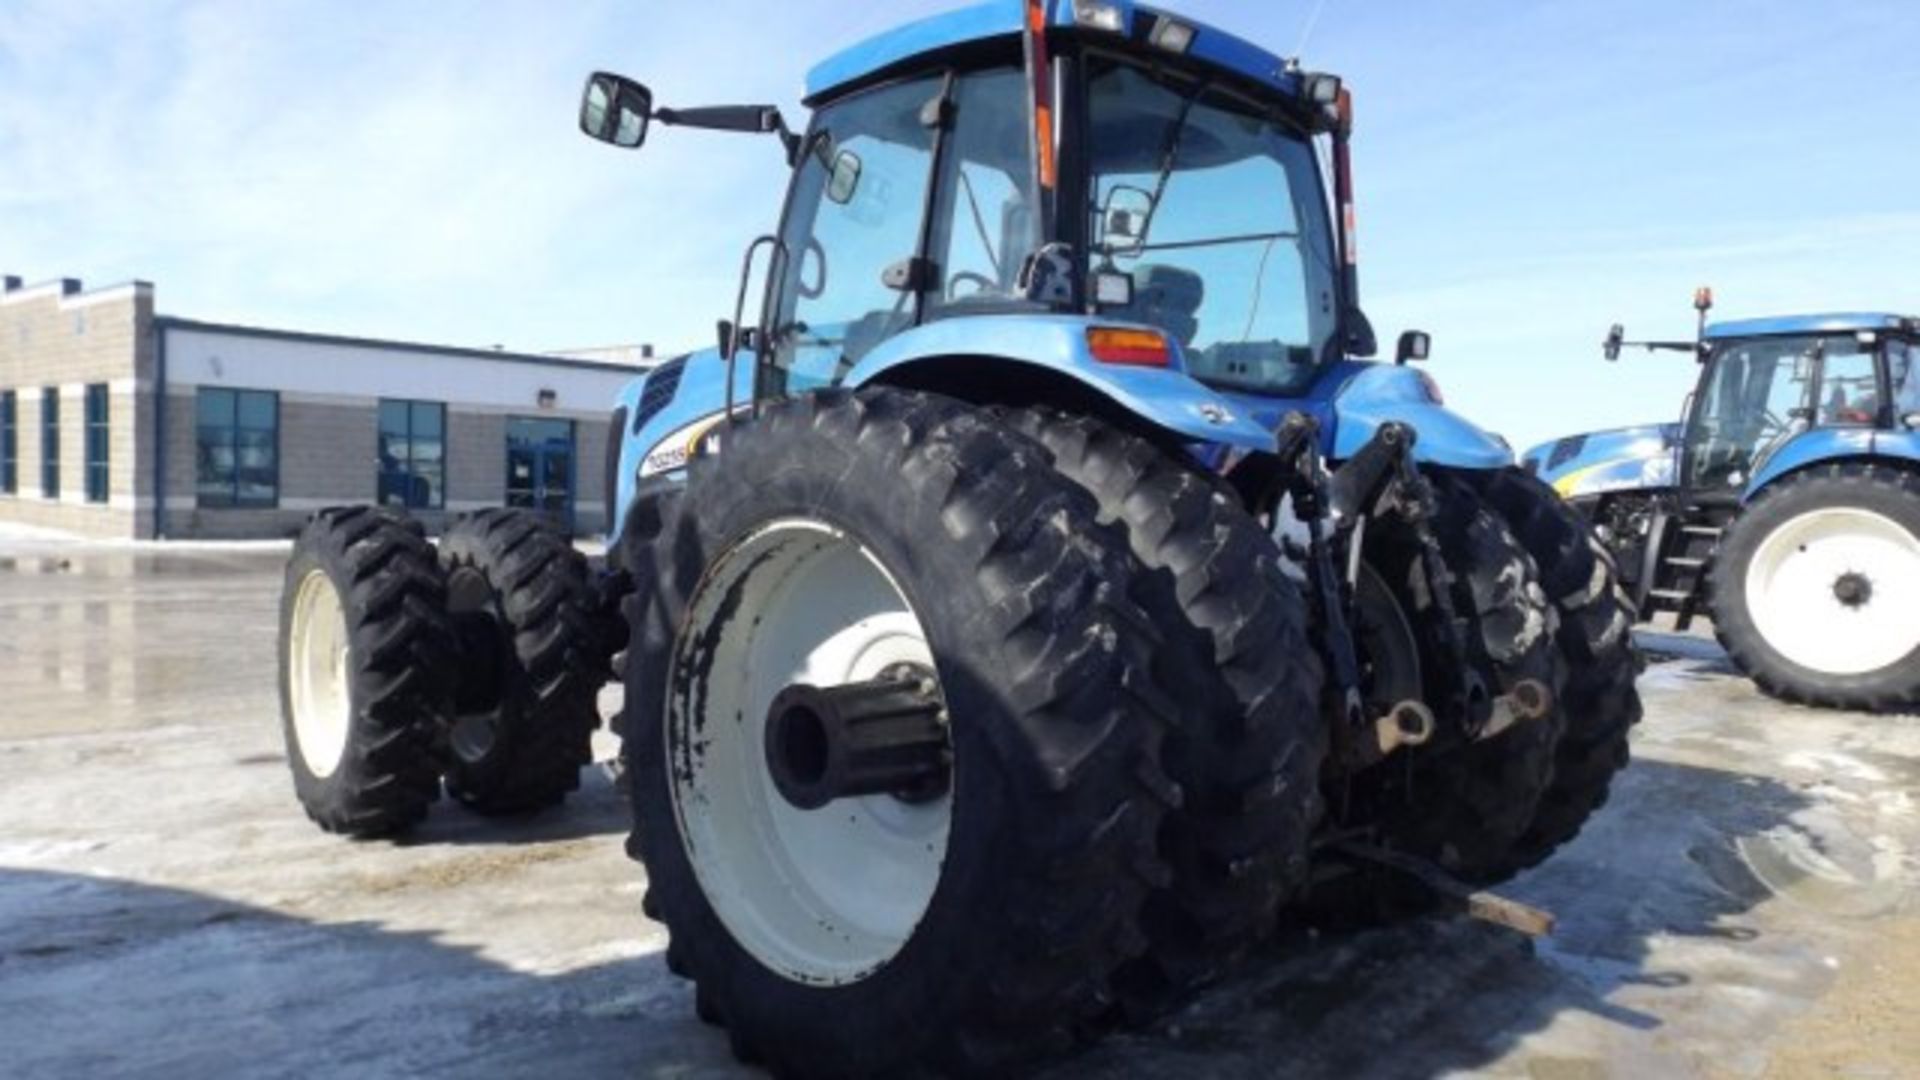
pixel 1306 32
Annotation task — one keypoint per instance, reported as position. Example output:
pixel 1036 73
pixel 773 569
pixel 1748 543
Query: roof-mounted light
pixel 1703 299
pixel 1320 89
pixel 1095 15
pixel 1171 34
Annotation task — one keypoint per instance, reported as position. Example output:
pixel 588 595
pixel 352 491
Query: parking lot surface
pixel 1746 905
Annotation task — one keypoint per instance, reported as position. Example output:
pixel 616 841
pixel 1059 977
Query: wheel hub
pixel 1853 590
pixel 886 736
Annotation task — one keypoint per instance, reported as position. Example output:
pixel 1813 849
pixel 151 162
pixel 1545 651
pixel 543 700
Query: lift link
pixel 1383 478
pixel 1304 476
pixel 886 736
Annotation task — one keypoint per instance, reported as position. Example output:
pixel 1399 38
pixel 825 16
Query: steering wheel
pixel 818 252
pixel 985 283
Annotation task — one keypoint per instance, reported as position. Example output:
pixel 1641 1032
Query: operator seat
pixel 1168 297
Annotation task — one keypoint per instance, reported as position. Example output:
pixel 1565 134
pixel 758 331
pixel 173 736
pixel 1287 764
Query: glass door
pixel 540 472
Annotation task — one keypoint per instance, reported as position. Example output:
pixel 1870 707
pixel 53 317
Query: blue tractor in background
pixel 1786 506
pixel 1036 591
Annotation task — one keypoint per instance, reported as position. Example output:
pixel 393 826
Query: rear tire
pixel 991 563
pixel 1251 742
pixel 532 664
pixel 1599 702
pixel 365 656
pixel 1466 806
pixel 1816 587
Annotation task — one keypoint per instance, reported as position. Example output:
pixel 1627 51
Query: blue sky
pixel 1528 172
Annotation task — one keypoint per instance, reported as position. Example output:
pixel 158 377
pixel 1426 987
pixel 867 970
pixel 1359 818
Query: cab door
pixel 853 232
pixel 917 204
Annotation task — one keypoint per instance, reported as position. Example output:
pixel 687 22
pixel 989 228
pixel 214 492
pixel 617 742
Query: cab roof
pixel 1841 322
pixel 999 19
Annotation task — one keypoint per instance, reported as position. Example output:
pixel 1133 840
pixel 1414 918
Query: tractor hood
pixel 1598 462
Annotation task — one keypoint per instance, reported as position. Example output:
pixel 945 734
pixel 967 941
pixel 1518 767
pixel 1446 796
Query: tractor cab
pixel 1775 397
pixel 1768 383
pixel 1139 195
pixel 1774 393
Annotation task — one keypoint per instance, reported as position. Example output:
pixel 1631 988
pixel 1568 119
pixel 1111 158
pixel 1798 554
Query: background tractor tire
pixel 366 651
pixel 1250 743
pixel 1815 590
pixel 1466 806
pixel 1598 702
pixel 1045 667
pixel 532 662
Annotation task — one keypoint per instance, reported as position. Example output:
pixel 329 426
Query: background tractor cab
pixel 1098 205
pixel 1778 399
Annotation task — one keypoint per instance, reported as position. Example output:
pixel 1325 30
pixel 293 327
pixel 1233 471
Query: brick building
pixel 116 421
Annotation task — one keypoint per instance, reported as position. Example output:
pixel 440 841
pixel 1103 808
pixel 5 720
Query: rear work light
pixel 1172 35
pixel 1099 16
pixel 1132 348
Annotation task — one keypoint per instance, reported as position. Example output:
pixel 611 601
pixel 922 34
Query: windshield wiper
pixel 1169 157
pixel 1219 241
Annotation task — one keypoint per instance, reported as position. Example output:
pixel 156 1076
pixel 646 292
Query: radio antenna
pixel 1306 32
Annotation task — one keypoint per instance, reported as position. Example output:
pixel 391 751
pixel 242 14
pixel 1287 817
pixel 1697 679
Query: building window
pixel 97 443
pixel 239 449
pixel 413 454
pixel 50 442
pixel 9 443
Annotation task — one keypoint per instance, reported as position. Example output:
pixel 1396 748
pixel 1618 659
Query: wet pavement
pixel 1746 906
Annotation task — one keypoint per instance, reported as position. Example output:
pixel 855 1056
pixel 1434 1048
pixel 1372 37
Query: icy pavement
pixel 1745 906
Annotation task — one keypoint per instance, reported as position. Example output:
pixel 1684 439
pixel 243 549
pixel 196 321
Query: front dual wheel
pixel 895 738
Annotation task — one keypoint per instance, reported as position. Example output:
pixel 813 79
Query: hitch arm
pixel 1452 893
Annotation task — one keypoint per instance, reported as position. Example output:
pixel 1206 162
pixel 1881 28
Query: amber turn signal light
pixel 1134 348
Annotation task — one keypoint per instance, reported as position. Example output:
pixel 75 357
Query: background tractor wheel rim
pixel 823 897
pixel 1793 595
pixel 318 662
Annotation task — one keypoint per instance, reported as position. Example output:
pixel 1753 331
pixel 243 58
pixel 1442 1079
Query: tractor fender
pixel 1371 395
pixel 1164 397
pixel 1823 445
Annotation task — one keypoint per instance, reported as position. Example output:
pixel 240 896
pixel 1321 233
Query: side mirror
pixel 1125 219
pixel 616 110
pixel 844 180
pixel 1414 345
pixel 1912 421
pixel 1616 337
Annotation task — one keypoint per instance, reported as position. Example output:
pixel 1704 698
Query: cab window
pixel 1849 386
pixel 1903 374
pixel 984 224
pixel 858 201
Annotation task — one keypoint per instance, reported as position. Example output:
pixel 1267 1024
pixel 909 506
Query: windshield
pixel 1761 392
pixel 1213 206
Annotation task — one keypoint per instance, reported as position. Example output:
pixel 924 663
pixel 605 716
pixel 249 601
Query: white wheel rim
pixel 823 897
pixel 1800 573
pixel 317 659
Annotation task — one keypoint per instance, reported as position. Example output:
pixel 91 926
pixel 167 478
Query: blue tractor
pixel 1786 506
pixel 1033 594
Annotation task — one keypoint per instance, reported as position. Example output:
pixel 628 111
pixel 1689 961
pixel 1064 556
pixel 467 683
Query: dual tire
pixel 403 667
pixel 1090 828
pixel 1541 599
